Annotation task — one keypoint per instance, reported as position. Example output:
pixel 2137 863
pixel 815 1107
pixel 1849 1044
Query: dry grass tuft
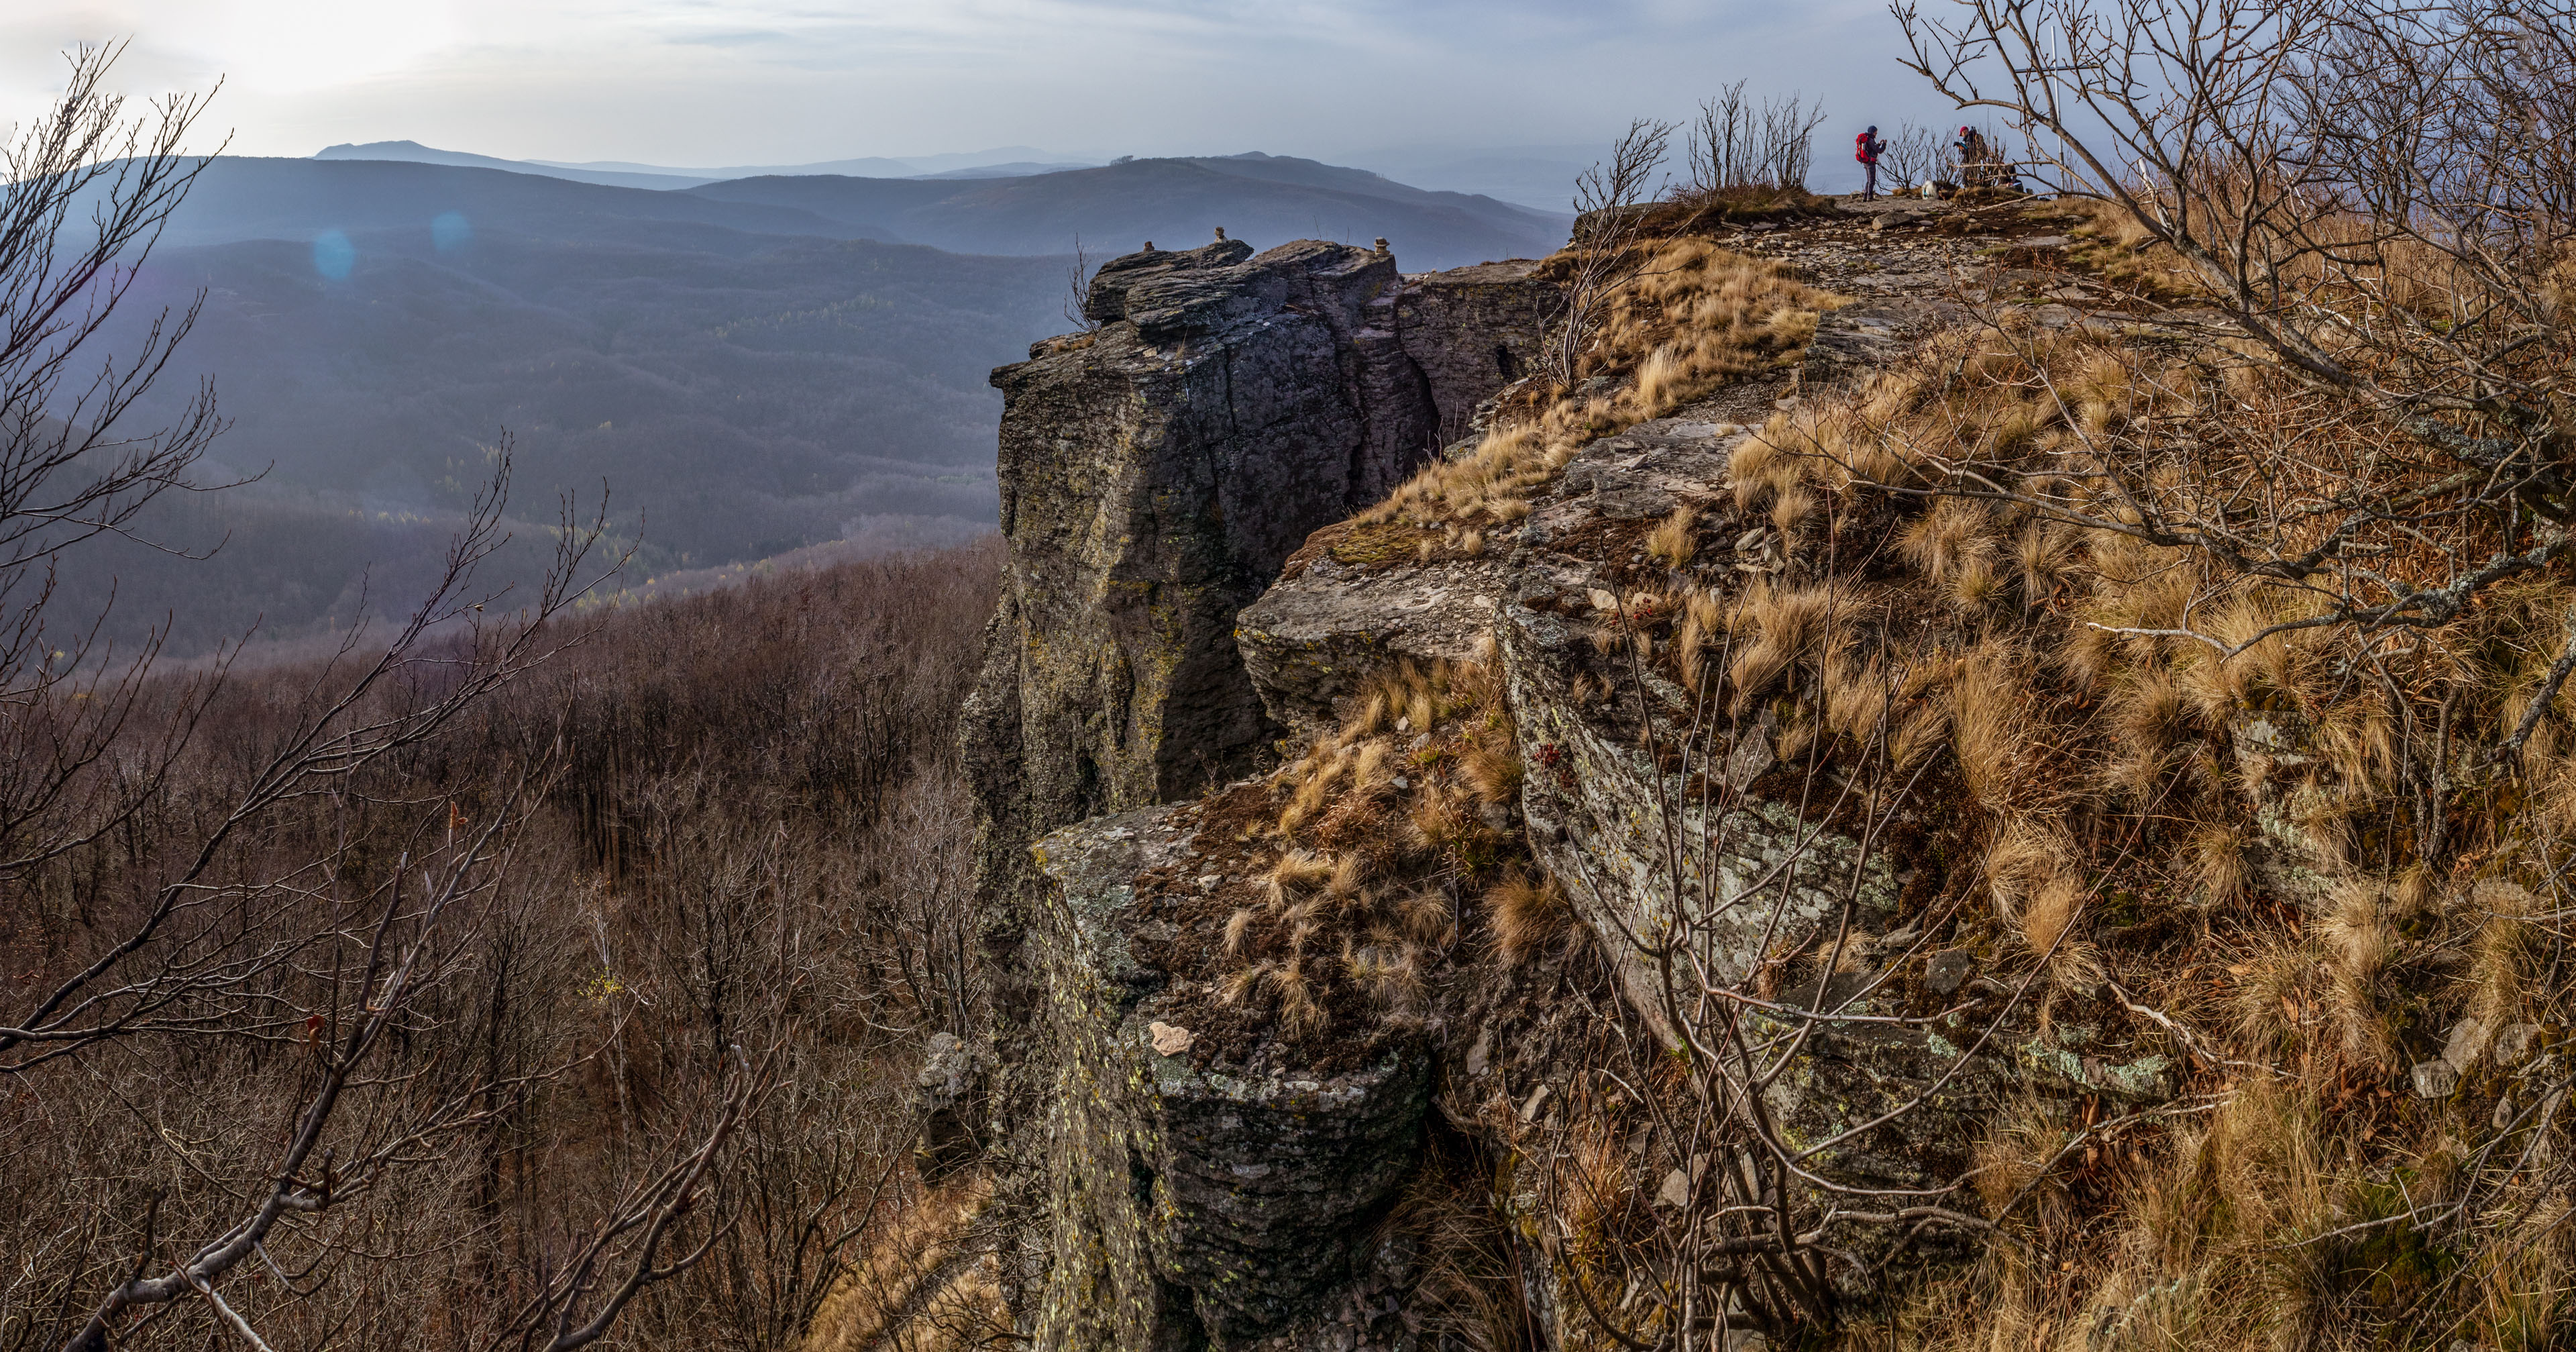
pixel 2359 940
pixel 1789 626
pixel 2219 872
pixel 1673 542
pixel 1530 915
pixel 2013 1164
pixel 1296 873
pixel 1494 772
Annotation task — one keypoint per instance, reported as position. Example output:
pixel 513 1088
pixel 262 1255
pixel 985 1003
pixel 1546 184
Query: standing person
pixel 1974 169
pixel 1866 148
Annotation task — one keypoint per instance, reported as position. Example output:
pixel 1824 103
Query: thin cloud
pixel 778 81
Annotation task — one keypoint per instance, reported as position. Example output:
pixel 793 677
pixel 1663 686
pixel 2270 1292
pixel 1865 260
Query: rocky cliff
pixel 1185 1178
pixel 1371 828
pixel 1157 472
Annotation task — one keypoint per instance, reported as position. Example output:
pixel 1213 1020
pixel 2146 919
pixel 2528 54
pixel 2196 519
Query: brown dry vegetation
pixel 744 825
pixel 1687 317
pixel 2301 845
pixel 1385 827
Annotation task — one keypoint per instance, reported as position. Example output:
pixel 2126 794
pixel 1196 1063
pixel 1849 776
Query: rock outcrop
pixel 1185 588
pixel 1187 1206
pixel 1156 474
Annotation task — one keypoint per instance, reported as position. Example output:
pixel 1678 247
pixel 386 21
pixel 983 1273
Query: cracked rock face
pixel 1473 331
pixel 1156 474
pixel 1153 481
pixel 1187 1207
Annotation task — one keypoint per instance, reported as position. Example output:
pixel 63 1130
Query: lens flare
pixel 451 231
pixel 334 255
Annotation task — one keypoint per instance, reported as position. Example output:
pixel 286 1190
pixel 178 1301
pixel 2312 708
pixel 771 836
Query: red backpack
pixel 1860 148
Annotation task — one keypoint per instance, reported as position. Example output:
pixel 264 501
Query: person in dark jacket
pixel 1976 161
pixel 1866 148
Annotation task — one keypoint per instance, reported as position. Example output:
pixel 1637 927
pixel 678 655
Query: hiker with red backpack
pixel 1866 148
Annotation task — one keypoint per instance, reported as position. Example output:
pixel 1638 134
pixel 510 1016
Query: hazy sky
pixel 779 81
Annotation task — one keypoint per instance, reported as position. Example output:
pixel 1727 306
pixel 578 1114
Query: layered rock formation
pixel 1156 473
pixel 1160 476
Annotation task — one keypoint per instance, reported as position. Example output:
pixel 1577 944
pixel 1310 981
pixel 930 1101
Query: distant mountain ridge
pixel 753 366
pixel 1117 208
pixel 413 152
pixel 1111 209
pixel 1003 162
pixel 240 198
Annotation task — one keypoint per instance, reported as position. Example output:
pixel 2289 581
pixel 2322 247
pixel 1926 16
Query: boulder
pixel 1310 641
pixel 1188 1207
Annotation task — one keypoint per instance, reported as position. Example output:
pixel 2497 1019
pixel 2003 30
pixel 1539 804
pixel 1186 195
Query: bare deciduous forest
pixel 518 973
pixel 706 857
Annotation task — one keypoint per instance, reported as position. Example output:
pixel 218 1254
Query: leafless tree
pixel 1788 148
pixel 1720 142
pixel 85 196
pixel 1733 144
pixel 1610 199
pixel 253 914
pixel 2372 203
pixel 1914 155
pixel 1077 290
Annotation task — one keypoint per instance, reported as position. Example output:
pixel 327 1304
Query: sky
pixel 717 82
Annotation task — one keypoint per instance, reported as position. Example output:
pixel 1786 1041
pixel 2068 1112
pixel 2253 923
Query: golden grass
pixel 2256 817
pixel 1690 317
pixel 1673 541
pixel 1529 915
pixel 922 1284
pixel 1375 811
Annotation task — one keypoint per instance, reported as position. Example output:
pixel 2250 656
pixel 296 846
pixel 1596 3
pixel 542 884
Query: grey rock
pixel 1945 972
pixel 1106 302
pixel 1631 504
pixel 2514 1043
pixel 1184 1206
pixel 2435 1079
pixel 1750 758
pixel 950 1091
pixel 2468 1039
pixel 1311 640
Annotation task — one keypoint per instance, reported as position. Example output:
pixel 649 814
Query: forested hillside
pixel 739 394
pixel 701 863
pixel 747 371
